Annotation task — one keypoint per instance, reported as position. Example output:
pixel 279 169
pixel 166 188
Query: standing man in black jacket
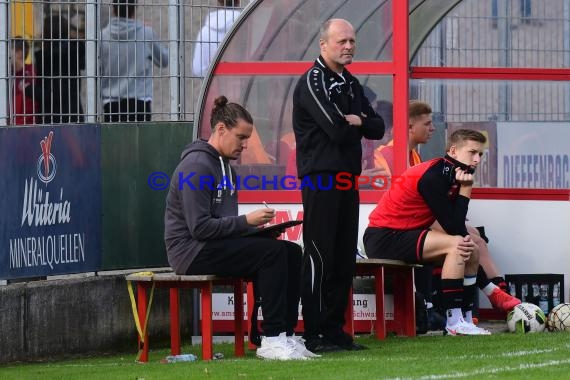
pixel 330 117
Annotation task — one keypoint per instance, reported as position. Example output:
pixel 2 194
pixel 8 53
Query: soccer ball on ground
pixel 526 317
pixel 559 318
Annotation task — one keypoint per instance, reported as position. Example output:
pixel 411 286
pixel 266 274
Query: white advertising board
pixel 533 155
pixel 364 307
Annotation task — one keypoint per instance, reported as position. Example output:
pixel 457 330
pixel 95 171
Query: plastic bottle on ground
pixel 181 358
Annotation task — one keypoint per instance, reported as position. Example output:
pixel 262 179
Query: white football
pixel 559 318
pixel 526 317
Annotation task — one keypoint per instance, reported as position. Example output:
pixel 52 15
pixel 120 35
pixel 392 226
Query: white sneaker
pixel 464 328
pixel 299 344
pixel 279 348
pixel 481 329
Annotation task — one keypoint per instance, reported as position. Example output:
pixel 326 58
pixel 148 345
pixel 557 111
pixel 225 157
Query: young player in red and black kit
pixel 427 278
pixel 402 225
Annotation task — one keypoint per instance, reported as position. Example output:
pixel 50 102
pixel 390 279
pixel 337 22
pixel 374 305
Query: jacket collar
pixel 453 163
pixel 320 61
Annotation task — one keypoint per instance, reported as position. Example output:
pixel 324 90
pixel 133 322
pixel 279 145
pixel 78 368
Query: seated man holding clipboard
pixel 274 230
pixel 205 235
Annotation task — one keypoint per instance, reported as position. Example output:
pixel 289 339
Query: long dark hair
pixel 228 113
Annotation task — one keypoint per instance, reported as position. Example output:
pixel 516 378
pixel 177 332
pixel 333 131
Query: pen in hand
pixel 268 217
pixel 276 233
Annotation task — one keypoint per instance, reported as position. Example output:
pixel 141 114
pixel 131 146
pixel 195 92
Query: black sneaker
pixel 353 346
pixel 345 342
pixel 318 345
pixel 436 321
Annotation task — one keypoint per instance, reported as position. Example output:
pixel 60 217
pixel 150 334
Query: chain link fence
pixel 506 34
pixel 58 67
pixel 107 60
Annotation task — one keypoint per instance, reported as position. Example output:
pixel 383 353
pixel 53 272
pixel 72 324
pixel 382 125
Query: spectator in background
pixel 212 33
pixel 23 107
pixel 128 51
pixel 59 63
pixel 420 128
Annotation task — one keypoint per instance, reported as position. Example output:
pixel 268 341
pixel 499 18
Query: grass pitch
pixel 504 356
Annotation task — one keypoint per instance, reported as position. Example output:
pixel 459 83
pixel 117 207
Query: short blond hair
pixel 460 136
pixel 418 108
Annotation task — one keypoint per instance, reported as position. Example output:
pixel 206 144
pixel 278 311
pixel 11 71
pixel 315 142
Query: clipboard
pixel 263 231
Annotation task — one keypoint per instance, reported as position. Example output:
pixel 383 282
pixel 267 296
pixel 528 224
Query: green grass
pixel 504 356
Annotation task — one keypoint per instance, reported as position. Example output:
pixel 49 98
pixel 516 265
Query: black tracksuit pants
pixel 127 110
pixel 330 234
pixel 274 265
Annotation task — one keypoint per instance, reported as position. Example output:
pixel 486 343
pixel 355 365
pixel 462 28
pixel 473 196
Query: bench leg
pixel 238 318
pixel 349 314
pixel 141 309
pixel 207 323
pixel 174 321
pixel 380 323
pixel 404 303
pixel 250 302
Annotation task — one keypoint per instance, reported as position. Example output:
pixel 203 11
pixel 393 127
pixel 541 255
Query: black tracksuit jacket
pixel 326 143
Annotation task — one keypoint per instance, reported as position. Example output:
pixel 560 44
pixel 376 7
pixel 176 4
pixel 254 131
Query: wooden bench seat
pixel 402 276
pixel 176 282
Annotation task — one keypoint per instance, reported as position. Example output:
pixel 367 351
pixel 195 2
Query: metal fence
pixel 499 33
pixel 73 61
pixel 69 76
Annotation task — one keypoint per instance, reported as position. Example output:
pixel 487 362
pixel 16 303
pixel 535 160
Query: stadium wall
pixel 63 318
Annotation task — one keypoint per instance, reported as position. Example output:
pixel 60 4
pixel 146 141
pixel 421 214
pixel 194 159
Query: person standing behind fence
pixel 59 63
pixel 23 107
pixel 128 51
pixel 215 28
